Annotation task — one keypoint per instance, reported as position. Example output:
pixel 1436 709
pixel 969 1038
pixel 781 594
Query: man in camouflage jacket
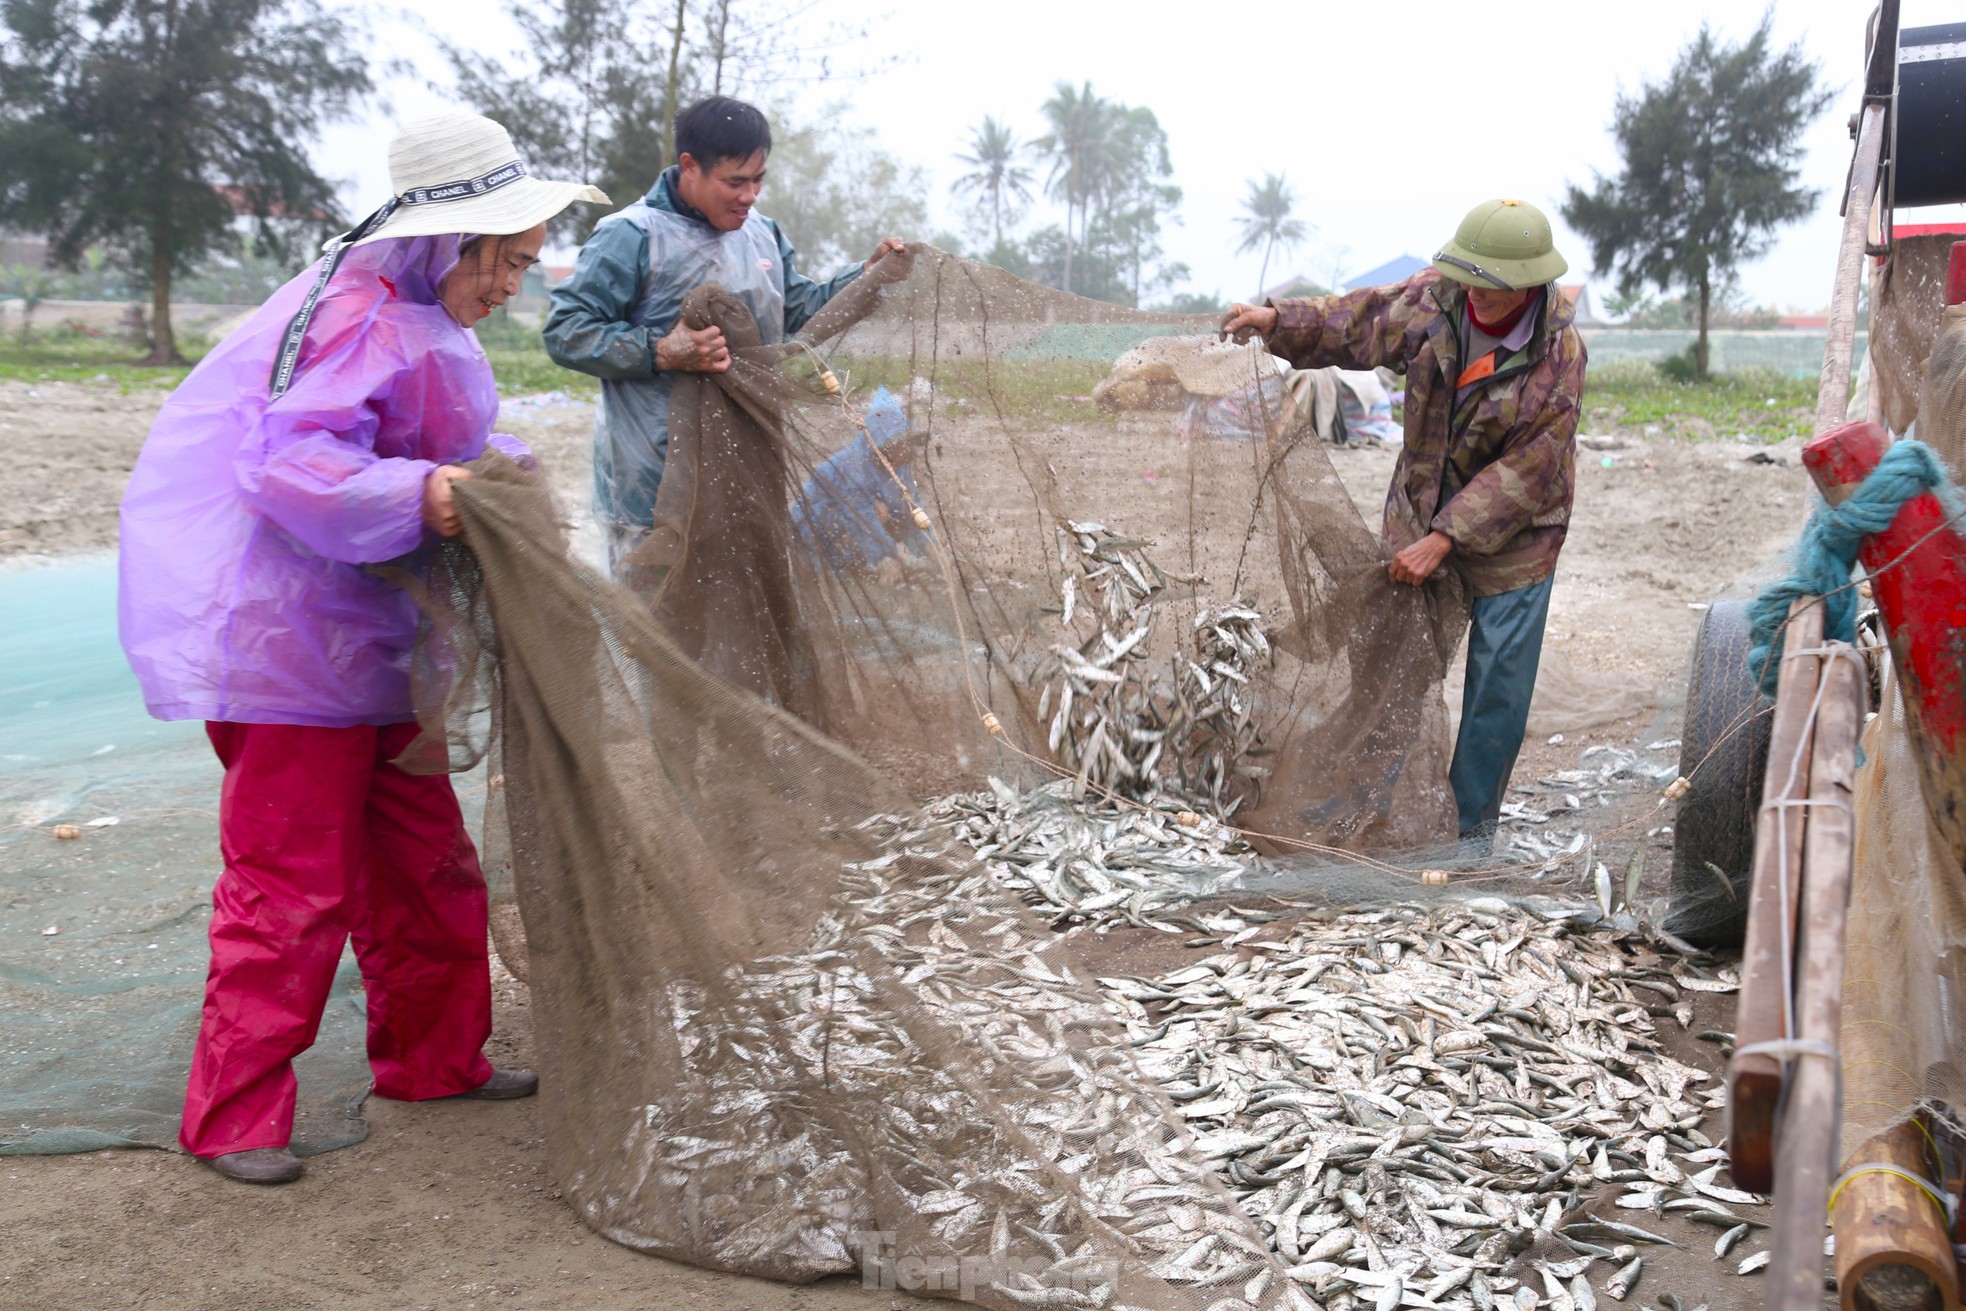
pixel 1494 378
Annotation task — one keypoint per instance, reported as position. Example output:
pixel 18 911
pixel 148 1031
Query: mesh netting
pixel 1943 423
pixel 787 1032
pixel 1125 623
pixel 1905 321
pixel 1905 972
pixel 736 935
pixel 1906 965
pixel 1168 535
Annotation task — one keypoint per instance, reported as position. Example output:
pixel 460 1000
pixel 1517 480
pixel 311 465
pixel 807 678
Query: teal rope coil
pixel 1828 552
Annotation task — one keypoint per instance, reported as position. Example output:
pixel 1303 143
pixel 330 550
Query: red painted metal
pixel 1917 569
pixel 1956 273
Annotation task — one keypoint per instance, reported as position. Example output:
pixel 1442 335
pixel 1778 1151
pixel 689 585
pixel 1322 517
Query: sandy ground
pixel 453 1205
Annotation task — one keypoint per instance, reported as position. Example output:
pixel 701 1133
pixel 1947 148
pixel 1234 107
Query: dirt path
pixel 453 1205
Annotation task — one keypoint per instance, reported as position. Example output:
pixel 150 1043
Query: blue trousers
pixel 1505 642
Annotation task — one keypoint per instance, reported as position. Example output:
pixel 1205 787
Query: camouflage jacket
pixel 1494 469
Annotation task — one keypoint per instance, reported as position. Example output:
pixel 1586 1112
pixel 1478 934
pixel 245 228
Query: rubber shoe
pixel 505 1086
pixel 262 1165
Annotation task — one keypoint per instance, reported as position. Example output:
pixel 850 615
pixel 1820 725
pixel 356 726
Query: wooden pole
pixel 1891 1245
pixel 1873 393
pixel 1807 1141
pixel 1833 393
pixel 1754 1079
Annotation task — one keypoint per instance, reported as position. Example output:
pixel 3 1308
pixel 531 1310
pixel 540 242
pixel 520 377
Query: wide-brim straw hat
pixel 461 173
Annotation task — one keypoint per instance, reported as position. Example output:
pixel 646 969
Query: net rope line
pixel 1788 880
pixel 1948 1205
pixel 1948 1208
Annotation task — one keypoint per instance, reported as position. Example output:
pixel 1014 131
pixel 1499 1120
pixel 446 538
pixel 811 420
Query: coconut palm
pixel 1081 147
pixel 995 173
pixel 1267 221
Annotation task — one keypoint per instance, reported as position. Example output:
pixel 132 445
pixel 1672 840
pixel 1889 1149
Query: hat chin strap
pixel 283 366
pixel 1475 269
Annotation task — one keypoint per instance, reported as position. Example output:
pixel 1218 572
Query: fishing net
pixel 788 1024
pixel 1905 968
pixel 1904 1079
pixel 103 949
pixel 1943 426
pixel 1917 348
pixel 1905 321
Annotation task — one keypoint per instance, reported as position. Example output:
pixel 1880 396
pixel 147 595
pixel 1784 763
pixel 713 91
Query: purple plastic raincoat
pixel 248 522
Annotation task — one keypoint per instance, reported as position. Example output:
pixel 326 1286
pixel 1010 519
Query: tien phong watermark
pixel 886 1266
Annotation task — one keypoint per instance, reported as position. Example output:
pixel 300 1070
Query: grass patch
pixel 521 372
pixel 1035 391
pixel 1632 397
pixel 1628 397
pixel 519 361
pixel 61 355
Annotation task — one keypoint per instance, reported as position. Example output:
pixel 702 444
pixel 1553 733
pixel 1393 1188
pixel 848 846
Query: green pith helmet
pixel 1502 244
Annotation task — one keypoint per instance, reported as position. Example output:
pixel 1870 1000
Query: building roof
pixel 244 204
pixel 1295 285
pixel 1398 269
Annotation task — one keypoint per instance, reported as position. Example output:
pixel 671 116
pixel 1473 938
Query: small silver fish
pixel 1620 1284
pixel 1725 1243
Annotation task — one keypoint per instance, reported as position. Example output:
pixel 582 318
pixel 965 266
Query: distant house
pixel 1297 285
pixel 1583 309
pixel 1806 322
pixel 17 248
pixel 1393 270
pixel 242 202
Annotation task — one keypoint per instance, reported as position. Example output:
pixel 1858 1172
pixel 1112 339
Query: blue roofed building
pixel 1393 270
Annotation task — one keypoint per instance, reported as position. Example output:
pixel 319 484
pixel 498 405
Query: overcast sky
pixel 1389 118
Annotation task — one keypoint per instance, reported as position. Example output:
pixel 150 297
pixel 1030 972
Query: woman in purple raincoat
pixel 317 440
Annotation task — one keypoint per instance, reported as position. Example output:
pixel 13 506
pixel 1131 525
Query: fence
pixel 1798 354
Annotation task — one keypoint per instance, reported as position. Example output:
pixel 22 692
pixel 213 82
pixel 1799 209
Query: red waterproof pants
pixel 325 840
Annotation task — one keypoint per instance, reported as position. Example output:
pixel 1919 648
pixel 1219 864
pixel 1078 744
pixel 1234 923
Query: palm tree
pixel 1081 148
pixel 994 170
pixel 1267 222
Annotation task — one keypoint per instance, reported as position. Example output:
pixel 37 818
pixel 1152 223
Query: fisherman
pixel 617 317
pixel 1494 375
pixel 856 512
pixel 320 439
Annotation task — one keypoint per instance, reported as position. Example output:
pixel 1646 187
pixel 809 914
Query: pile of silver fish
pixel 1418 1104
pixel 1119 717
pixel 1457 1106
pixel 1549 820
pixel 1094 863
pixel 929 1033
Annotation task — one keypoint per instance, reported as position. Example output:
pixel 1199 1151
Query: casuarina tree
pixel 148 125
pixel 1267 221
pixel 594 88
pixel 1710 169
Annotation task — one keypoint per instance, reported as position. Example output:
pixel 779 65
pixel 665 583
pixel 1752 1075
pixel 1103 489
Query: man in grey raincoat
pixel 617 316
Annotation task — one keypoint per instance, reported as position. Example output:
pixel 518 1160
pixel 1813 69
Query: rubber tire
pixel 1727 726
